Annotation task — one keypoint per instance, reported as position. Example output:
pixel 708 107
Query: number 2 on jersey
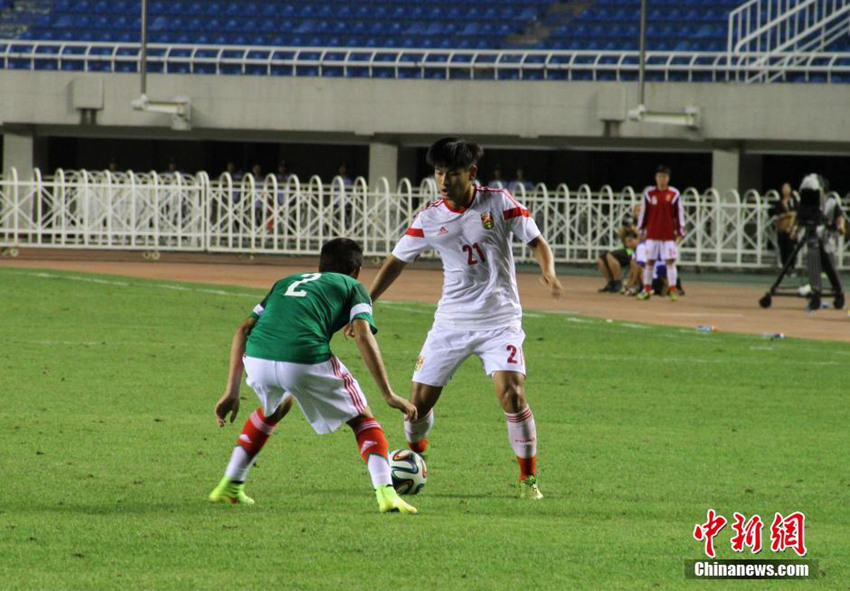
pixel 469 250
pixel 513 353
pixel 306 278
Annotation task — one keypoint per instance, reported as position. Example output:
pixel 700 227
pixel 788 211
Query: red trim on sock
pixel 527 466
pixel 255 432
pixel 419 447
pixel 370 438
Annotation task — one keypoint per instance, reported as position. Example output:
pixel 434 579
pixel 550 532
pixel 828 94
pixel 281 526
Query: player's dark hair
pixel 452 153
pixel 340 255
pixel 630 234
pixel 663 168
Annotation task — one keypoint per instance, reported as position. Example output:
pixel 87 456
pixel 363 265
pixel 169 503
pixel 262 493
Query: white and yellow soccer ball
pixel 408 471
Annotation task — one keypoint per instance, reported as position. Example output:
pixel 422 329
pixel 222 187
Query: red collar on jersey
pixel 461 209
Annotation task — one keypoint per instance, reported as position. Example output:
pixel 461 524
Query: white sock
pixel 379 470
pixel 522 432
pixel 647 273
pixel 240 463
pixel 415 432
pixel 672 275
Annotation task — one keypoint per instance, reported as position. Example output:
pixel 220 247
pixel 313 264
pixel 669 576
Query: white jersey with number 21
pixel 479 278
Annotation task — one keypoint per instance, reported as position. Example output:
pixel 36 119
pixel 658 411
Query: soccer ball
pixel 408 471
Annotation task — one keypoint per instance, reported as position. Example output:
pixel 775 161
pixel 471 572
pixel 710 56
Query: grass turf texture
pixel 110 447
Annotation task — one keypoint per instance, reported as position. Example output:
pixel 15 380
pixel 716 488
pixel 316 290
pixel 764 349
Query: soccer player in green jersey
pixel 284 346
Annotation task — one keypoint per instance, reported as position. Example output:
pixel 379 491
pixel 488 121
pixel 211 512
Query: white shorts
pixel 327 393
pixel 445 349
pixel 661 250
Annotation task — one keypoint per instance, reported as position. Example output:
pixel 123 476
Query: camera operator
pixel 823 219
pixel 785 212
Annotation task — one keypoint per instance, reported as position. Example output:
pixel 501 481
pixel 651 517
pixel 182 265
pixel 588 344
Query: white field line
pixel 656 359
pixel 47 343
pixel 171 287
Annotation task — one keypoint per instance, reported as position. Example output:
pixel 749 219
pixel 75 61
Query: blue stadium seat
pixel 609 25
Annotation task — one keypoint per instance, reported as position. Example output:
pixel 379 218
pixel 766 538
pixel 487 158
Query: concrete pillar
pixel 731 168
pixel 725 169
pixel 383 162
pixel 18 153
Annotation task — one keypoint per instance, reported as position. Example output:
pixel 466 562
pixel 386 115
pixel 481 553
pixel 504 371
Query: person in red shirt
pixel 661 223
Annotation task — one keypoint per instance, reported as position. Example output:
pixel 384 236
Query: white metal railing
pixel 668 66
pixel 765 36
pixel 175 212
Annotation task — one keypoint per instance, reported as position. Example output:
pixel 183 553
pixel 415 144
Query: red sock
pixel 647 288
pixel 255 432
pixel 370 438
pixel 527 466
pixel 419 447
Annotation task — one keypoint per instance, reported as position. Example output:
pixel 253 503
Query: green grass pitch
pixel 109 448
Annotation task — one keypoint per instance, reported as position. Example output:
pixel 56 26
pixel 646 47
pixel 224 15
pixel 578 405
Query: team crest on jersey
pixel 668 197
pixel 487 220
pixel 420 361
pixel 442 231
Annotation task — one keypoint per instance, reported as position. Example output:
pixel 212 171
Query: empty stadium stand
pixel 561 40
pixel 481 24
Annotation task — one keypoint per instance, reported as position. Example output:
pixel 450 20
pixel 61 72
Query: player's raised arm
pixel 371 354
pixel 546 260
pixel 229 402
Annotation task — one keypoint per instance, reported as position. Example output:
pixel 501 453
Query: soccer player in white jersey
pixel 472 228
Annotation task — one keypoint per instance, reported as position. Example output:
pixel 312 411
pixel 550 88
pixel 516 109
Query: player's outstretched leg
pixel 424 397
pixel 522 432
pixel 255 432
pixel 523 435
pixel 373 448
pixel 416 433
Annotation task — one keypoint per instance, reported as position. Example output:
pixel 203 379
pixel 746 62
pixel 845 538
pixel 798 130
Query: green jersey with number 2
pixel 298 317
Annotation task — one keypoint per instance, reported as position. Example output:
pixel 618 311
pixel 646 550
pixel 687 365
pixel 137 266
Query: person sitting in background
pixel 282 173
pixel 520 183
pixel 496 181
pixel 785 212
pixel 612 263
pixel 659 283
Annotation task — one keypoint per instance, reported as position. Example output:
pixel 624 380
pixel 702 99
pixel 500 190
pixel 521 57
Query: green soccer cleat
pixel 390 502
pixel 528 489
pixel 673 296
pixel 643 296
pixel 228 491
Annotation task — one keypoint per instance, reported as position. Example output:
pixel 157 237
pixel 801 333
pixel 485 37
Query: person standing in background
pixel 785 212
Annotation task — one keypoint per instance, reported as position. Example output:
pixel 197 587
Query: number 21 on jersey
pixel 293 291
pixel 471 251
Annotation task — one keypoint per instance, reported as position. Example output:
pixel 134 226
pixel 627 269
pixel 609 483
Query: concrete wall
pixel 736 119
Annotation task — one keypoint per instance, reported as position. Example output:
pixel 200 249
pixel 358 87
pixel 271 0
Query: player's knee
pixel 513 397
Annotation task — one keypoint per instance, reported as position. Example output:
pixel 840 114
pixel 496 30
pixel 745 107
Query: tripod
pixel 810 229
